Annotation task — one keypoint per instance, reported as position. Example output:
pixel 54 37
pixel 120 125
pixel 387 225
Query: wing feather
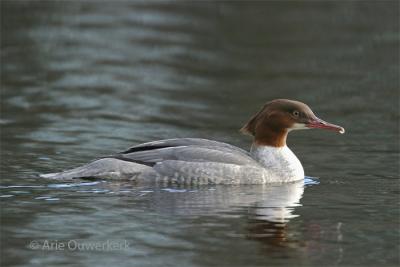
pixel 181 142
pixel 190 154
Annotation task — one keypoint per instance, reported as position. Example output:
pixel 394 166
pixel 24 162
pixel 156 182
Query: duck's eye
pixel 296 113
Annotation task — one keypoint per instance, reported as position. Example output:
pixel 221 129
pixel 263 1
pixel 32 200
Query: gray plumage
pixel 200 161
pixel 184 161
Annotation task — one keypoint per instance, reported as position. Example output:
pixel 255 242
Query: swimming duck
pixel 203 161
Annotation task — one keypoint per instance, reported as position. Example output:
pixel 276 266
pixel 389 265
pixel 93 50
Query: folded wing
pixel 187 150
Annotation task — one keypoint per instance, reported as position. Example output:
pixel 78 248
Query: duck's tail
pixel 106 168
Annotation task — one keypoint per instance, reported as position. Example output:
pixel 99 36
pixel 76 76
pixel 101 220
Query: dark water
pixel 80 80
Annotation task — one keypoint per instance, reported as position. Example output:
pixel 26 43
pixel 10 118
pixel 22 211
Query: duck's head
pixel 277 117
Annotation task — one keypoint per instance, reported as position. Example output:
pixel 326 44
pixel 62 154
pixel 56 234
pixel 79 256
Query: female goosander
pixel 202 161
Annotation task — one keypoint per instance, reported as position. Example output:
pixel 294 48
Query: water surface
pixel 81 80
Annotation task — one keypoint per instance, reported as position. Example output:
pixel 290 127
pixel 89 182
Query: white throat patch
pixel 281 163
pixel 298 126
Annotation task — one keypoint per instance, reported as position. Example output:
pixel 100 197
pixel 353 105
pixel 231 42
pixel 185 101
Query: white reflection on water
pixel 274 203
pixel 266 209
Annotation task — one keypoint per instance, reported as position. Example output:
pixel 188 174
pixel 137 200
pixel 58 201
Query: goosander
pixel 203 161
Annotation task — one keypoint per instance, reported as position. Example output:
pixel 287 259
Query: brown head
pixel 272 123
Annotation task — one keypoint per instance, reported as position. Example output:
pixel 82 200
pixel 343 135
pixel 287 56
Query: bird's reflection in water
pixel 268 218
pixel 267 208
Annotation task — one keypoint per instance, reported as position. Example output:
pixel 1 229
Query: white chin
pixel 298 126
